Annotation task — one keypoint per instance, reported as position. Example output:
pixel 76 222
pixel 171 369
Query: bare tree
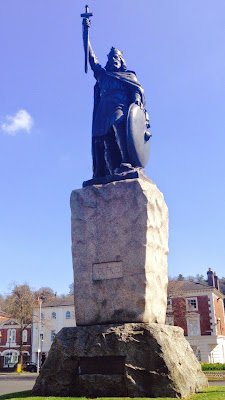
pixel 71 288
pixel 46 293
pixel 2 303
pixel 20 305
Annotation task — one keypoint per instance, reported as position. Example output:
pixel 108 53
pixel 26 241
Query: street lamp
pixel 9 351
pixel 41 350
pixel 39 332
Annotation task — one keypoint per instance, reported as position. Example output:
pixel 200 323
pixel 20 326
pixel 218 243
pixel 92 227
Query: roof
pixel 4 314
pixel 10 321
pixel 177 287
pixel 3 319
pixel 62 302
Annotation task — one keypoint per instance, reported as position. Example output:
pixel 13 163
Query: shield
pixel 138 136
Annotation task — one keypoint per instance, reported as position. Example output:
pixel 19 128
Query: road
pixel 11 383
pixel 216 383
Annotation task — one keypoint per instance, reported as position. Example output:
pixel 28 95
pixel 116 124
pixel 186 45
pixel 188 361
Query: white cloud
pixel 22 120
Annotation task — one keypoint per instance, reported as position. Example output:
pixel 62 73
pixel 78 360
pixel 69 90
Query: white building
pixel 55 315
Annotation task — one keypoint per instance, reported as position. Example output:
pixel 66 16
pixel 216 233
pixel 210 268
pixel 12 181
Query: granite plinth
pixel 127 360
pixel 119 249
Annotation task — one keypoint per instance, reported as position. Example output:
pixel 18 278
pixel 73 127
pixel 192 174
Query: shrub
pixel 212 367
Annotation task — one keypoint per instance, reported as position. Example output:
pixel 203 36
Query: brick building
pixel 199 310
pixel 10 342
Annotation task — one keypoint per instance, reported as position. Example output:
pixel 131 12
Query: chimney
pixel 210 274
pixel 217 281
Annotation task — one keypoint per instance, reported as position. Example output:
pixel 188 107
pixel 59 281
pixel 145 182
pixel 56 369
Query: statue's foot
pixel 124 167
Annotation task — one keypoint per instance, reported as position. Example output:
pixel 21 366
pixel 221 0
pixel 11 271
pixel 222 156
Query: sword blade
pixel 86 50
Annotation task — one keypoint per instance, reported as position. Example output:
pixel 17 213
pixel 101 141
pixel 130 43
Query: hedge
pixel 212 367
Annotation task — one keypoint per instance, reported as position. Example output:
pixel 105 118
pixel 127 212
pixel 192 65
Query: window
pixel 68 315
pixel 24 336
pixel 169 320
pixel 10 358
pixel 11 336
pixel 192 303
pixel 53 315
pixel 52 335
pixel 193 324
pixel 169 304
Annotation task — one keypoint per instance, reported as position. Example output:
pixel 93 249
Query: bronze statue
pixel 120 121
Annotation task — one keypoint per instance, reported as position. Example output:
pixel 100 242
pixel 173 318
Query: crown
pixel 113 50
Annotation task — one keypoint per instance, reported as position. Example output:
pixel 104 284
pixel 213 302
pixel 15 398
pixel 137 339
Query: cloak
pixel 128 78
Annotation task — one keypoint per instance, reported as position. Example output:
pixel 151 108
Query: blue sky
pixel 177 50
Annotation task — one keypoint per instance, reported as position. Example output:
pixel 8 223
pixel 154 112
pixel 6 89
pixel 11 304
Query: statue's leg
pixel 98 155
pixel 121 138
pixel 112 152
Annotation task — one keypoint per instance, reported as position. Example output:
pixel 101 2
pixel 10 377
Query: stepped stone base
pixel 126 360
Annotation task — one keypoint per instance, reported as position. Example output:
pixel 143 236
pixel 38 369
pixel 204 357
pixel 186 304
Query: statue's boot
pixel 98 154
pixel 112 153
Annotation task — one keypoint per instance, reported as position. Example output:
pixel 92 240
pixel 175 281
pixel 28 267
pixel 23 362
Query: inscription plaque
pixel 105 365
pixel 109 270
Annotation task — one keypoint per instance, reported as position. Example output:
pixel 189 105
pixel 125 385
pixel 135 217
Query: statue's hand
pixel 86 23
pixel 137 98
pixel 138 102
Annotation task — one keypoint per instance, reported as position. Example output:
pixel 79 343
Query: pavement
pixel 13 382
pixel 217 383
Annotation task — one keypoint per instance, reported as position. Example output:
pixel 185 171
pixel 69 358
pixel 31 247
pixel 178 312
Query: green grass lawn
pixel 213 393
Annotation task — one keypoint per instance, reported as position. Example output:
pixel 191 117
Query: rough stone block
pixel 119 249
pixel 127 360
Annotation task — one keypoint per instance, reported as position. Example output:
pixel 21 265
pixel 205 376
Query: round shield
pixel 138 136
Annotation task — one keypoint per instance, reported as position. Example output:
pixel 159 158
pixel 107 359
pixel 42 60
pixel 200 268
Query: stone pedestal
pixel 127 360
pixel 121 346
pixel 120 248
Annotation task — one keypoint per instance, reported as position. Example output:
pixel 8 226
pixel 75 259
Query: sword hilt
pixel 87 14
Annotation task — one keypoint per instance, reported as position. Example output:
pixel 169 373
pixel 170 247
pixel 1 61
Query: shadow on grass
pixel 212 393
pixel 215 391
pixel 17 395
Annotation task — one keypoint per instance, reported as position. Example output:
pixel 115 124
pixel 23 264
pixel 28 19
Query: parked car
pixel 30 366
